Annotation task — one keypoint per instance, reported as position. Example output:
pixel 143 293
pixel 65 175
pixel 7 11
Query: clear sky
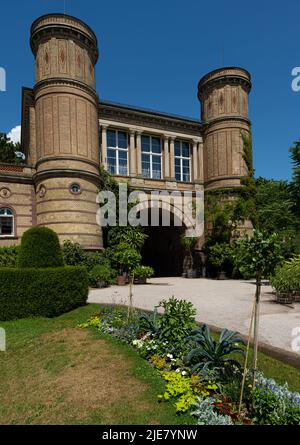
pixel 153 53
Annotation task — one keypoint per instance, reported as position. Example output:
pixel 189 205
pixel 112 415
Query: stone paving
pixel 222 304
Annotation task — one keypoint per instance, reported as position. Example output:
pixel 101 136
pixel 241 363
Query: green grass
pixel 56 373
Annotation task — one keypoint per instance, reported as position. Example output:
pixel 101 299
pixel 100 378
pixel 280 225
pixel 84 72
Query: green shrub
pixel 9 256
pixel 40 249
pixel 101 274
pixel 75 255
pixel 41 292
pixel 143 272
pixel 287 277
pixel 177 320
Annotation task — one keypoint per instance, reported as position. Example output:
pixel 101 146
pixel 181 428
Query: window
pixel 75 189
pixel 6 222
pixel 117 152
pixel 182 161
pixel 151 157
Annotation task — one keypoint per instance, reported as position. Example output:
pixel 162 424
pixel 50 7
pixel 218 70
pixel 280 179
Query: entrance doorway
pixel 162 249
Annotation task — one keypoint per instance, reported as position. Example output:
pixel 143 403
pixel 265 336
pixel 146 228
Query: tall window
pixel 151 157
pixel 182 161
pixel 6 222
pixel 117 152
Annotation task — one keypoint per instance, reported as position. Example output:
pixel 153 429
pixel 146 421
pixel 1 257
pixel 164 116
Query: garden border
pixel 287 357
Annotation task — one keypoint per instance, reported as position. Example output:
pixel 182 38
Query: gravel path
pixel 225 303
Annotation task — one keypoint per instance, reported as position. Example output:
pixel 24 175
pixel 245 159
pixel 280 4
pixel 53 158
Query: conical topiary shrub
pixel 40 249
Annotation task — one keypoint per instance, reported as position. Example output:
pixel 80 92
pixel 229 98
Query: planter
pixel 121 280
pixel 285 297
pixel 141 280
pixel 221 275
pixel 101 284
pixel 297 296
pixel 191 273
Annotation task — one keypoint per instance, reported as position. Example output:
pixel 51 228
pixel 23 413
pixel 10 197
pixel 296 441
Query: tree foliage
pixel 8 150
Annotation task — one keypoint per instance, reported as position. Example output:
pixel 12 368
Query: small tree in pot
pixel 141 273
pixel 188 243
pixel 218 255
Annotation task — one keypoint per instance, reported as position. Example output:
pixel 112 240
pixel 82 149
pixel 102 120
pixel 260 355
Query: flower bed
pixel 203 374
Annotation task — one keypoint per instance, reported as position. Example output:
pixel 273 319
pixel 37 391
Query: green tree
pixel 258 257
pixel 8 150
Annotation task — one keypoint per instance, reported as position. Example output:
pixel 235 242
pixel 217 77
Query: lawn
pixel 56 373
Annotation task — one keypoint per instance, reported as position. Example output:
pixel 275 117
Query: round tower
pixel 223 94
pixel 66 120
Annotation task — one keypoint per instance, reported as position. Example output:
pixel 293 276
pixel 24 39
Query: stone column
pixel 172 158
pixel 195 160
pixel 200 162
pixel 132 154
pixel 139 153
pixel 166 158
pixel 104 147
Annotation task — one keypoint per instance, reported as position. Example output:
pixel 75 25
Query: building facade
pixel 67 132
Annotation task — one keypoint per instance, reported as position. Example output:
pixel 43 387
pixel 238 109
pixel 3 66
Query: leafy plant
pixel 143 271
pixel 101 273
pixel 150 322
pixel 75 255
pixel 124 257
pixel 208 353
pixel 204 411
pixel 184 389
pixel 177 321
pixel 219 254
pixel 287 277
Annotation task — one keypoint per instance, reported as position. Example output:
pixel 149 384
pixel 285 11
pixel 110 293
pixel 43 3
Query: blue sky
pixel 153 53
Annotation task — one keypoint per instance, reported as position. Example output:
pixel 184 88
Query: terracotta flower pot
pixel 221 275
pixel 121 280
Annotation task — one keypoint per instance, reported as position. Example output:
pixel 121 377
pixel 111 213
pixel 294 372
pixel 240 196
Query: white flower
pixel 177 370
pixel 173 359
pixel 170 355
pixel 184 373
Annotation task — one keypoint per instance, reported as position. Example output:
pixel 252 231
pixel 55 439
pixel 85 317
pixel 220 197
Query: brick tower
pixel 66 149
pixel 224 103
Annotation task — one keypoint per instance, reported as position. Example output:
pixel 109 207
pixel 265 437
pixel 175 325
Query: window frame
pixel 150 153
pixel 182 158
pixel 117 149
pixel 12 216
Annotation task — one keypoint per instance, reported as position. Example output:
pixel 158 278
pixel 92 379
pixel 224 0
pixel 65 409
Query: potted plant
pixel 188 243
pixel 218 256
pixel 126 259
pixel 101 276
pixel 141 273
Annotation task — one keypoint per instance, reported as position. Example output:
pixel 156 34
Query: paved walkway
pixel 222 304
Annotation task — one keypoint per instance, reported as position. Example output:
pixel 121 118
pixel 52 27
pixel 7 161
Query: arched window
pixel 6 222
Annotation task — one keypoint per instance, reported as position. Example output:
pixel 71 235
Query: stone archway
pixel 163 250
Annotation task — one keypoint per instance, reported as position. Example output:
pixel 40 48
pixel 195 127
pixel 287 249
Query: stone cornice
pixel 46 159
pixel 221 119
pixel 64 27
pixel 62 81
pixel 12 177
pixel 133 116
pixel 66 173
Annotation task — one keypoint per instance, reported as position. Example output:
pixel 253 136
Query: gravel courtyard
pixel 225 303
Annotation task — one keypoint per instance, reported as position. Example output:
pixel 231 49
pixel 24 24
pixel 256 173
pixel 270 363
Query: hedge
pixel 9 256
pixel 41 292
pixel 40 248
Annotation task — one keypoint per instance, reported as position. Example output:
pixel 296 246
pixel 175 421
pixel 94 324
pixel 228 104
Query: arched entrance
pixel 163 250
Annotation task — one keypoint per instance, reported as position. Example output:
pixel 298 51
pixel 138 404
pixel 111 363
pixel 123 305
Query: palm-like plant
pixel 150 322
pixel 208 353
